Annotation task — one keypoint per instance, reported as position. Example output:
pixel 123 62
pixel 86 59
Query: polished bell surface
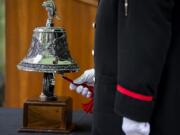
pixel 48 52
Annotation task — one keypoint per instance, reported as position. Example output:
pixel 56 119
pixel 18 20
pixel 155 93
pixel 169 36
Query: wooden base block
pixel 48 116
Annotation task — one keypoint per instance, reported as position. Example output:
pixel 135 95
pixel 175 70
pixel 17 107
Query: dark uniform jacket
pixel 137 64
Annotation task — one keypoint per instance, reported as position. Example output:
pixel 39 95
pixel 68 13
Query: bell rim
pixel 48 68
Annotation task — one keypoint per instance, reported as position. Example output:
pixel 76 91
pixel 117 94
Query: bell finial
pixel 49 5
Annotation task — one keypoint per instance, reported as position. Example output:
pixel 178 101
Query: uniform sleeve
pixel 144 38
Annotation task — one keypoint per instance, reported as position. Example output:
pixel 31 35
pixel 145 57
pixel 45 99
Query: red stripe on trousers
pixel 134 95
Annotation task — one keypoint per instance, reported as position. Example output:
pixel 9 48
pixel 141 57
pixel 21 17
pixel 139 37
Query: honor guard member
pixel 137 68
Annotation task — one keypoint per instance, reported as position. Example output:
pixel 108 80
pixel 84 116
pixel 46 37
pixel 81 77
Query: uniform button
pixel 94 25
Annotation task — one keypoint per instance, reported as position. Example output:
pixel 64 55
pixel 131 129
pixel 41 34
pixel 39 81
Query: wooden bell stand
pixel 48 113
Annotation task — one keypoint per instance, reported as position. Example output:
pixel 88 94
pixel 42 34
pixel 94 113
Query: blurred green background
pixel 2 48
pixel 2 34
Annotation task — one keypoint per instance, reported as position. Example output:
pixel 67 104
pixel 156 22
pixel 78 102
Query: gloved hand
pixel 131 127
pixel 88 77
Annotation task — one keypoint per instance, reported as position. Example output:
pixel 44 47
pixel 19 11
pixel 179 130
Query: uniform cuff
pixel 133 105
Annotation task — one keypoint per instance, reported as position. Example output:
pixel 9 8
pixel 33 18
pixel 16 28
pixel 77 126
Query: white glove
pixel 131 127
pixel 88 77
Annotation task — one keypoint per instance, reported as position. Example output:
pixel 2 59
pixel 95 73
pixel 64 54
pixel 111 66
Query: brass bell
pixel 49 53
